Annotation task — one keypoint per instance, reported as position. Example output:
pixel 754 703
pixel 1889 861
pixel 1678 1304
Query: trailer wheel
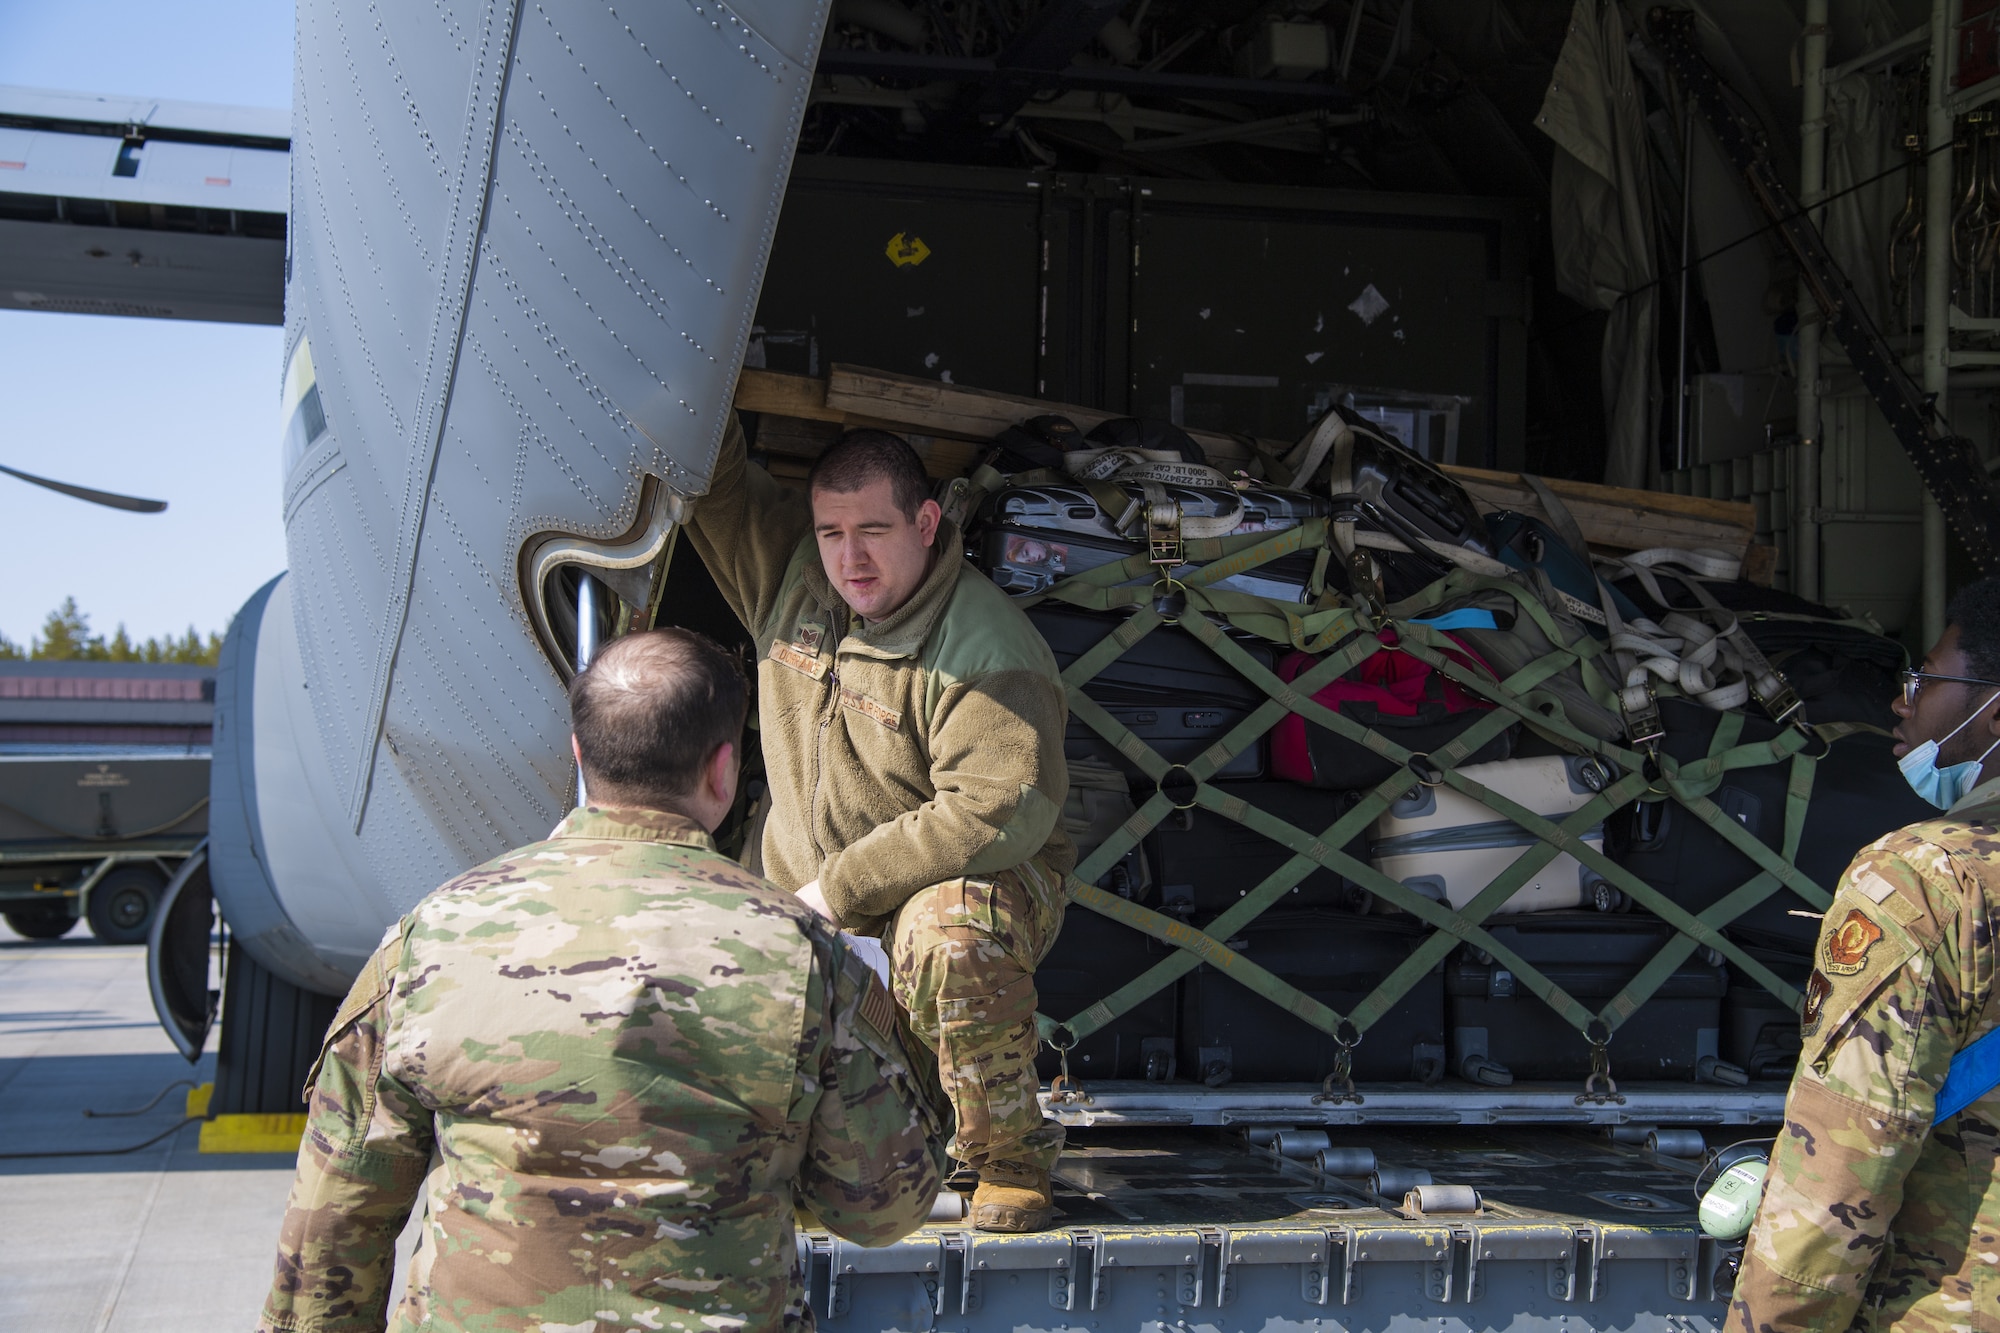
pixel 122 904
pixel 40 923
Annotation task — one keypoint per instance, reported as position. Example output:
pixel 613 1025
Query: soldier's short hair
pixel 860 456
pixel 1975 609
pixel 652 709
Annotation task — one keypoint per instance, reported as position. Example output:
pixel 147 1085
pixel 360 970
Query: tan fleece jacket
pixel 902 753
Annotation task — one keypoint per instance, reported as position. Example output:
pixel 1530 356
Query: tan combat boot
pixel 1012 1196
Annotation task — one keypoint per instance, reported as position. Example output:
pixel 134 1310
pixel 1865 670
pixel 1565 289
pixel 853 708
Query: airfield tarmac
pixel 163 1239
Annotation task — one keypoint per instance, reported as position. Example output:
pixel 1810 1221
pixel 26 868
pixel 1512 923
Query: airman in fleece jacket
pixel 917 774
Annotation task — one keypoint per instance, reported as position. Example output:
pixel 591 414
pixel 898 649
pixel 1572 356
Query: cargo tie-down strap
pixel 1191 604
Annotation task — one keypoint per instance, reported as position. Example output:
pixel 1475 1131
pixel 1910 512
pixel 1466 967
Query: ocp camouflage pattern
pixel 963 955
pixel 1871 1218
pixel 609 1063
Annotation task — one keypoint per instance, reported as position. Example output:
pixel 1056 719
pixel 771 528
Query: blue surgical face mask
pixel 1944 787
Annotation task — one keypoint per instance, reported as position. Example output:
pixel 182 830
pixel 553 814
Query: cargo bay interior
pixel 1467 225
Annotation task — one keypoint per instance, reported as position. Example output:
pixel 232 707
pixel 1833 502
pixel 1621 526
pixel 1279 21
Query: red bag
pixel 1391 692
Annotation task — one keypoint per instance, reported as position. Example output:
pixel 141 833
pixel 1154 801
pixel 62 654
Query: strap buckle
pixel 1644 726
pixel 1163 533
pixel 1776 695
pixel 1364 578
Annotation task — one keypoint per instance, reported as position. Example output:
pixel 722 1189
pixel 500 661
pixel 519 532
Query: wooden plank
pixel 943 409
pixel 1613 518
pixel 783 395
pixel 794 437
pixel 1620 519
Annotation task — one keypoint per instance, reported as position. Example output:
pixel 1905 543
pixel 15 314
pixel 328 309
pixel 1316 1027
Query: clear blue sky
pixel 179 411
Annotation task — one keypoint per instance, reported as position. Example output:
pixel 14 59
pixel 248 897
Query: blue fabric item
pixel 1514 535
pixel 1467 617
pixel 1974 1072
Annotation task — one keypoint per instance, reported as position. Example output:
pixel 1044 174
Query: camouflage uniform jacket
pixel 610 1063
pixel 1871 1218
pixel 901 753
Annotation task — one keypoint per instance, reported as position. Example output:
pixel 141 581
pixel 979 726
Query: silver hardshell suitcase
pixel 1031 537
pixel 1448 847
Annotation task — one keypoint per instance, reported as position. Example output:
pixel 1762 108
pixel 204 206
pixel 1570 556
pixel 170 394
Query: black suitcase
pixel 1760 1032
pixel 1092 957
pixel 1229 1033
pixel 1207 861
pixel 1842 672
pixel 1858 795
pixel 1174 694
pixel 1030 537
pixel 1497 1021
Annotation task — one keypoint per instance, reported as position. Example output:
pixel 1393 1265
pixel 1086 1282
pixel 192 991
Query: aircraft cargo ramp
pixel 1201 1229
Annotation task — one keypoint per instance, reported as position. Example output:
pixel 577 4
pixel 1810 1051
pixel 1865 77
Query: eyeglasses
pixel 1914 681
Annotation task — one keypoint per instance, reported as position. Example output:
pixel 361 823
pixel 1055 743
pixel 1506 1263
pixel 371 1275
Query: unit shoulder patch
pixel 1848 944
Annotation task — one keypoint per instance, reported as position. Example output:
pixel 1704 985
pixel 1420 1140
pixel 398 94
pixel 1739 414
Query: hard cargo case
pixel 1062 507
pixel 1229 1033
pixel 1207 861
pixel 1760 1032
pixel 1092 957
pixel 1495 1021
pixel 1448 846
pixel 1857 795
pixel 1025 561
pixel 1172 692
pixel 1030 538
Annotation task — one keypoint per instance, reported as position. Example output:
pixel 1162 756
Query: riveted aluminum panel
pixel 527 240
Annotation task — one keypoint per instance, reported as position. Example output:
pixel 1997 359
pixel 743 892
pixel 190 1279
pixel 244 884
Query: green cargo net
pixel 1348 636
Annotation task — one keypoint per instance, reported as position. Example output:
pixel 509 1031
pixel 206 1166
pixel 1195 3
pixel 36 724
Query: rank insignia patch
pixel 811 635
pixel 1848 945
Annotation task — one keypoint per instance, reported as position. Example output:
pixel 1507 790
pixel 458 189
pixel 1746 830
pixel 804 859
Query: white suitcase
pixel 1448 847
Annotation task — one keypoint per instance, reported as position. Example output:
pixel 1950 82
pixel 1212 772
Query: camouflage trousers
pixel 963 954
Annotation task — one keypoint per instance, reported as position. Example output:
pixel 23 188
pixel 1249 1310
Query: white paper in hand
pixel 871 952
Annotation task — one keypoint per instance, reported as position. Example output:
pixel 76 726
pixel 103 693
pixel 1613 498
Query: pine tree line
pixel 66 637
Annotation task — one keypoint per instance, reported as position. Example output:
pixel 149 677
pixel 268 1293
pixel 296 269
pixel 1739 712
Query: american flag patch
pixel 878 1007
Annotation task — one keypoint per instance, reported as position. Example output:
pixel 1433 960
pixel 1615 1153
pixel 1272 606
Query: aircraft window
pixel 128 159
pixel 308 423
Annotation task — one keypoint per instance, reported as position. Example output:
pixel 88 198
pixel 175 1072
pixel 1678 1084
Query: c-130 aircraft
pixel 525 247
